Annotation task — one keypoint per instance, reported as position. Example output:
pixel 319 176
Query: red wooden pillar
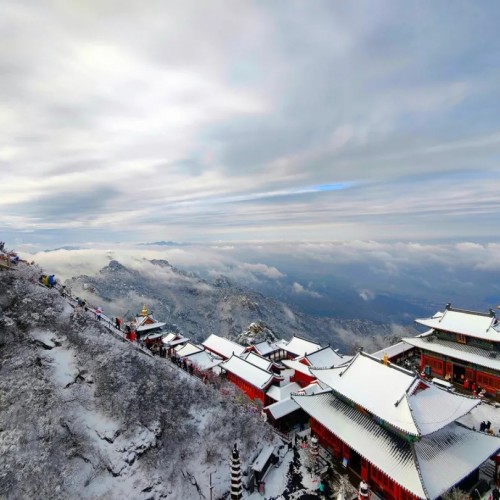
pixel 365 469
pixel 422 363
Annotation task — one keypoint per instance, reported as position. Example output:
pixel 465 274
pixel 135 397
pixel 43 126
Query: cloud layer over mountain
pixel 357 279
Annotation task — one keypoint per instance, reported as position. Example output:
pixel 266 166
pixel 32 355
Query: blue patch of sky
pixel 332 187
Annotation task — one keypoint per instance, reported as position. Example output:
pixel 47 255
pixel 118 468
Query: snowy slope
pixel 84 415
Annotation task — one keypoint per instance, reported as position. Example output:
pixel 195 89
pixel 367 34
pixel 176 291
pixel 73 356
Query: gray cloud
pixel 66 207
pixel 209 123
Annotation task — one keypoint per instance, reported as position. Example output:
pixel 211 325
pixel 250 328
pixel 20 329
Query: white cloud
pixel 367 295
pixel 264 270
pixel 300 289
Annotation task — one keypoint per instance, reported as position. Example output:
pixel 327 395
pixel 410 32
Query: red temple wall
pixel 488 381
pixel 251 391
pixel 302 379
pixel 379 482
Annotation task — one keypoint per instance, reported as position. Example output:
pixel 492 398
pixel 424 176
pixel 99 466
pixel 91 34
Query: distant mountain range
pixel 198 307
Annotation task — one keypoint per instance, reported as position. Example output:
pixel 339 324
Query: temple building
pixel 297 346
pixel 267 350
pixel 324 357
pixel 284 413
pixel 262 362
pixel 461 345
pixel 253 380
pixel 399 353
pixel 145 323
pixel 396 431
pixel 223 347
pixel 172 340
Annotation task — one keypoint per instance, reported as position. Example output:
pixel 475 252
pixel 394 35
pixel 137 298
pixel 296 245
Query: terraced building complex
pixel 396 431
pixel 461 345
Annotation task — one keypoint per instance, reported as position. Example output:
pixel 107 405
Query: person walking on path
pixel 363 491
pixel 118 323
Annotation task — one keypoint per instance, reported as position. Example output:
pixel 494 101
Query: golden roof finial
pixel 144 310
pixel 386 359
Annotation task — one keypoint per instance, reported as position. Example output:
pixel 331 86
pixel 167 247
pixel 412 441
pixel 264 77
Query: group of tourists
pixel 476 389
pixel 486 427
pixel 48 280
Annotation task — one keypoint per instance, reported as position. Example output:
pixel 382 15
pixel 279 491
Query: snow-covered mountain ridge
pixel 199 307
pixel 84 415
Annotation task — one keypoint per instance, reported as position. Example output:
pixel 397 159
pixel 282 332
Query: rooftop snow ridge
pixel 490 313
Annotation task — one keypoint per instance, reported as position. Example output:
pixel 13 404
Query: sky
pixel 193 121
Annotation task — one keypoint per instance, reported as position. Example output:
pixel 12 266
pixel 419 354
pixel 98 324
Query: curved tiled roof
pixel 478 325
pixel 426 468
pixel 395 395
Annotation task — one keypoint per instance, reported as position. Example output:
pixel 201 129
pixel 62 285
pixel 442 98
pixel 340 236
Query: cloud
pixel 264 121
pixel 411 277
pixel 367 295
pixel 267 271
pixel 300 289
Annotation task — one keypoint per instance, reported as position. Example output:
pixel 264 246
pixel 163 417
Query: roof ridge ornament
pixel 407 390
pixel 351 363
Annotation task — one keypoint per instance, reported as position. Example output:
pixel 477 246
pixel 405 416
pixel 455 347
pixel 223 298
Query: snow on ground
pixel 109 451
pixel 104 427
pixel 45 337
pixel 64 365
pixel 275 480
pixel 483 412
pixel 68 310
pixel 278 480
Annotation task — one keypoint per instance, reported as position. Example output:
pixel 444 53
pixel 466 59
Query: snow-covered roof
pixel 187 349
pixel 262 458
pixel 464 352
pixel 300 347
pixel 393 350
pixel 395 395
pixel 287 405
pixel 482 413
pixel 169 336
pixel 265 348
pixel 222 346
pixel 282 408
pixel 145 323
pixel 297 366
pixel 250 373
pixel 173 343
pixel 257 360
pixel 426 468
pixel 153 336
pixel 326 358
pixel 204 360
pixel 281 344
pixel 474 324
pixel 282 392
